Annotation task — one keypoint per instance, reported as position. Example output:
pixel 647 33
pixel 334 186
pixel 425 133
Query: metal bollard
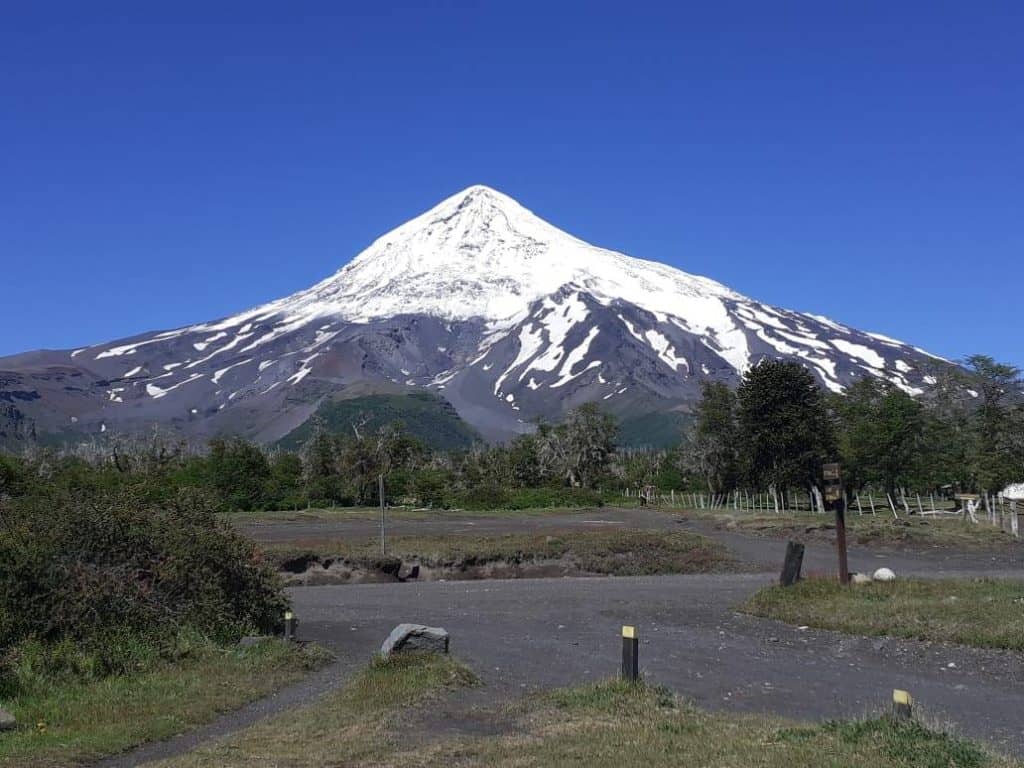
pixel 291 624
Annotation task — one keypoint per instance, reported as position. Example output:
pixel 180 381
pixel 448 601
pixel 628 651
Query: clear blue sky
pixel 168 163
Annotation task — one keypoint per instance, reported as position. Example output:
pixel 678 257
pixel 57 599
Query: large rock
pixel 415 637
pixel 7 721
pixel 884 574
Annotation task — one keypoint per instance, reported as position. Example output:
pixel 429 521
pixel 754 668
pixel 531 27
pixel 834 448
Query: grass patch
pixel 987 613
pixel 866 530
pixel 337 514
pixel 618 553
pixel 72 721
pixel 381 720
pixel 361 724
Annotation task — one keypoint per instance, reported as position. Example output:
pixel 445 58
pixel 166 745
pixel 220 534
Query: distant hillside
pixel 426 416
pixel 653 430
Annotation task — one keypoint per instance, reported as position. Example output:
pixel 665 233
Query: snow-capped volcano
pixel 479 300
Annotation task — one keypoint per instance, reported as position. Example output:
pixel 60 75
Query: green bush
pixel 109 571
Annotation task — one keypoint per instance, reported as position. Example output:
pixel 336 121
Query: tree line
pixel 966 433
pixel 773 432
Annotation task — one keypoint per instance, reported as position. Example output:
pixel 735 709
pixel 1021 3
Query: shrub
pixel 97 568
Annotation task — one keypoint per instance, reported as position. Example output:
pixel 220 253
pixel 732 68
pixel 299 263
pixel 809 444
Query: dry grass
pixel 71 723
pixel 911 531
pixel 986 613
pixel 619 552
pixel 336 514
pixel 379 721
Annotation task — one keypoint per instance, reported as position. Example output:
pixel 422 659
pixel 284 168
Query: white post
pixel 859 510
pixel 919 507
pixel 892 505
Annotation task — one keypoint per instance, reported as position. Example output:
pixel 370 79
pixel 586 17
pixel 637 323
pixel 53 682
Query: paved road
pixel 537 633
pixel 550 632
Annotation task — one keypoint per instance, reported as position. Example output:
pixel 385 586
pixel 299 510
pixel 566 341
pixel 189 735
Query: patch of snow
pixel 664 349
pixel 217 376
pixel 575 357
pixel 860 352
pixel 201 346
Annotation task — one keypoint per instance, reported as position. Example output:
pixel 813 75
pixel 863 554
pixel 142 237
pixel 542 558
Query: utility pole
pixel 383 539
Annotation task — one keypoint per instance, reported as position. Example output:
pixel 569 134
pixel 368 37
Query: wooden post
pixel 844 570
pixel 892 505
pixel 630 654
pixel 859 510
pixel 792 564
pixel 902 705
pixel 871 501
pixel 920 508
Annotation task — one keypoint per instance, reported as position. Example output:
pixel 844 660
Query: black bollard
pixel 792 564
pixel 630 654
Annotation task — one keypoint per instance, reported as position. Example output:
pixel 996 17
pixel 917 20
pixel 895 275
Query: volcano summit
pixel 478 301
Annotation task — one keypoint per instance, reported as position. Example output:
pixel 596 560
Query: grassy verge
pixel 359 725
pixel 334 514
pixel 979 612
pixel 867 530
pixel 619 552
pixel 71 722
pixel 383 719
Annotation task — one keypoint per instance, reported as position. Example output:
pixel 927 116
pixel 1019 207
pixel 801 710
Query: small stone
pixel 860 578
pixel 415 637
pixel 7 721
pixel 884 574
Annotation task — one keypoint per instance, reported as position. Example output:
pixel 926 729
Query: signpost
pixel 834 496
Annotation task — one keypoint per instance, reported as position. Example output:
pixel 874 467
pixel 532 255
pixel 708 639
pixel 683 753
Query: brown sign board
pixel 830 472
pixel 966 497
pixel 833 493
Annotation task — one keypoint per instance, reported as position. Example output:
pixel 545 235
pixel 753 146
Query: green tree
pixel 578 450
pixel 711 444
pixel 319 465
pixel 881 434
pixel 997 421
pixel 784 431
pixel 239 472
